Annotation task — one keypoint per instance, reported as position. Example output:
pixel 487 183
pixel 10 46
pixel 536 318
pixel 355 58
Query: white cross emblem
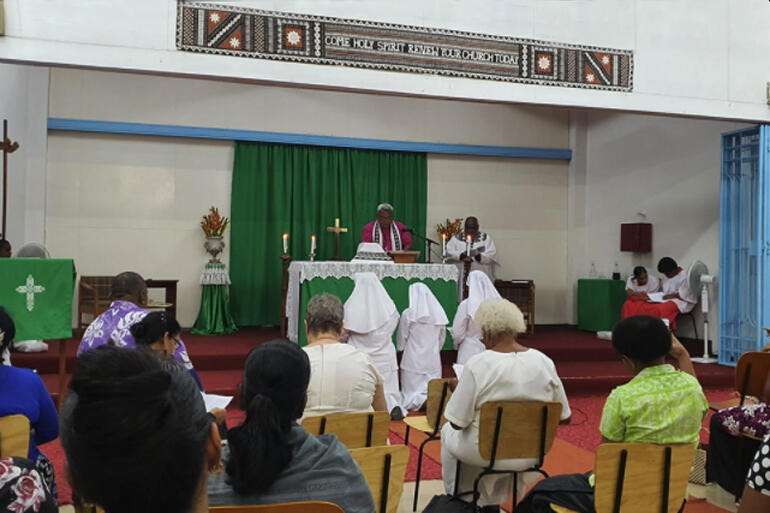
pixel 30 289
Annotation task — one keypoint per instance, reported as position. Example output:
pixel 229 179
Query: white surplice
pixel 370 320
pixel 421 336
pixel 483 245
pixel 652 285
pixel 465 333
pixel 679 285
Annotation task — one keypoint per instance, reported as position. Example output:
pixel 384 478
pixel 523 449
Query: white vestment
pixel 465 333
pixel 491 376
pixel 482 245
pixel 370 320
pixel 679 285
pixel 652 285
pixel 421 336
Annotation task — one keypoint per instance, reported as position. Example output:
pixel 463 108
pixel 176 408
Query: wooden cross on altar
pixel 6 146
pixel 337 230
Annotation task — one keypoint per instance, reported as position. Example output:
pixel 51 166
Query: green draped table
pixel 599 303
pixel 214 317
pixel 307 279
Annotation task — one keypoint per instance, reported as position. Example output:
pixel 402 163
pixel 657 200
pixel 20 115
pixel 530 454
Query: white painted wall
pixel 692 57
pixel 24 103
pixel 666 167
pixel 120 202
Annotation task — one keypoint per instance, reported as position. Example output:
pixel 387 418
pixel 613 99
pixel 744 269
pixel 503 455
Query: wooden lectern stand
pixel 404 257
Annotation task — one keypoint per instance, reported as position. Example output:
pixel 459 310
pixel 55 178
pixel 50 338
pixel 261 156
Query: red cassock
pixel 667 310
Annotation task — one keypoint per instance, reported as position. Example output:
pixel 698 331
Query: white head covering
pixel 480 288
pixel 424 307
pixel 369 306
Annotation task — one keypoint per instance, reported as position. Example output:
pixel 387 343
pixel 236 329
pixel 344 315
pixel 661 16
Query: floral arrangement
pixel 450 228
pixel 213 224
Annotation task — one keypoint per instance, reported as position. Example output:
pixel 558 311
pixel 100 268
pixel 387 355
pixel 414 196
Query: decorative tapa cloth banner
pixel 220 29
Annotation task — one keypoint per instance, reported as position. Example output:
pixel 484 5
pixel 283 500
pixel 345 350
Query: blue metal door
pixel 744 261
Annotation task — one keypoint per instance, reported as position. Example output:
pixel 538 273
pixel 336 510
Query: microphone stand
pixel 428 243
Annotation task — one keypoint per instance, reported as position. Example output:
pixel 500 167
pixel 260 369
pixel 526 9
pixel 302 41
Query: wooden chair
pixel 354 430
pixel 751 374
pixel 522 294
pixel 384 468
pixel 640 478
pixel 14 436
pixel 93 298
pixel 288 507
pixel 430 423
pixel 513 430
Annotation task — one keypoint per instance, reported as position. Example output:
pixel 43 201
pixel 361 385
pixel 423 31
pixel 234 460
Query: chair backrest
pixel 14 436
pixel 517 429
pixel 642 478
pixel 751 373
pixel 354 430
pixel 438 397
pixel 288 507
pixel 384 468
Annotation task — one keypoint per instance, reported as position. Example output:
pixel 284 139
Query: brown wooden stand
pixel 284 289
pixel 62 372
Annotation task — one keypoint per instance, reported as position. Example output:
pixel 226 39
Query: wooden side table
pixel 522 294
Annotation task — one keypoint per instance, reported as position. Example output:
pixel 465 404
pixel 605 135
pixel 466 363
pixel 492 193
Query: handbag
pixel 447 504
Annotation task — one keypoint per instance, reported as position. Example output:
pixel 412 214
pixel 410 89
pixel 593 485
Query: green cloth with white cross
pixel 37 293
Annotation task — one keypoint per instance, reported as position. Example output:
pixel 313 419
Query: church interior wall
pixel 682 63
pixel 116 202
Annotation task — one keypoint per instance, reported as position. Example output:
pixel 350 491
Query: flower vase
pixel 214 246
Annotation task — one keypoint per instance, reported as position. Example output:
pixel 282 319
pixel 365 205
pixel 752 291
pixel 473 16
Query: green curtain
pixel 300 190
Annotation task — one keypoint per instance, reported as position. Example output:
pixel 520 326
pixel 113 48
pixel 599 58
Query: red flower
pixel 30 493
pixel 8 471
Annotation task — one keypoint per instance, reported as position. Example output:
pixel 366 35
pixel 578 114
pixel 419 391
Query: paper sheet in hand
pixel 458 369
pixel 215 401
pixel 655 297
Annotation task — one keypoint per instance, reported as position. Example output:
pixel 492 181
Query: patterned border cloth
pixel 242 32
pixel 22 488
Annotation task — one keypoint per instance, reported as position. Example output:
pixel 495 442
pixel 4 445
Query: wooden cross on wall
pixel 336 230
pixel 6 146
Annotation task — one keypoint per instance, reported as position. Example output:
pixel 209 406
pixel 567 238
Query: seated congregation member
pixel 272 459
pixel 113 327
pixel 676 294
pixel 505 371
pixel 342 378
pixel 136 434
pixel 421 335
pixel 22 489
pixel 756 494
pixel 660 405
pixel 641 283
pixel 370 320
pixel 23 393
pixel 465 332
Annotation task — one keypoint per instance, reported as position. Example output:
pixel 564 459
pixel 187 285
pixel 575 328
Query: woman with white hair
pixel 465 332
pixel 505 371
pixel 370 320
pixel 342 378
pixel 389 234
pixel 421 335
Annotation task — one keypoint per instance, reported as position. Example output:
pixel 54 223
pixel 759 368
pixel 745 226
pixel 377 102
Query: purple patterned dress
pixel 114 325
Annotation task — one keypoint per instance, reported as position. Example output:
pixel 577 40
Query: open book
pixel 655 297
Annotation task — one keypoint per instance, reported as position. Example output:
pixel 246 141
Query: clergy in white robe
pixel 421 335
pixel 370 320
pixel 483 253
pixel 466 334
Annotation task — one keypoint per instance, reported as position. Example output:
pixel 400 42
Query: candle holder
pixel 312 256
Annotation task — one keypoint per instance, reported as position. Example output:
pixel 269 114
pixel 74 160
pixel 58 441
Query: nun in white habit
pixel 465 333
pixel 370 320
pixel 421 335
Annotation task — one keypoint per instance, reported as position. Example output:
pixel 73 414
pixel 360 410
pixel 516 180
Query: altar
pixel 307 279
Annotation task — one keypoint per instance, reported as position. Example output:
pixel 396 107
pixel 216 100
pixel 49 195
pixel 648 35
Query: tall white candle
pixel 312 243
pixel 285 243
pixel 467 245
pixel 443 245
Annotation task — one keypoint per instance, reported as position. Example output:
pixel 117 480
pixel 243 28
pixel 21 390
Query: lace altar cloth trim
pixel 305 271
pixel 215 274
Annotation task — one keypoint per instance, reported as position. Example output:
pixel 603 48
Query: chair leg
pixel 406 436
pixel 419 472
